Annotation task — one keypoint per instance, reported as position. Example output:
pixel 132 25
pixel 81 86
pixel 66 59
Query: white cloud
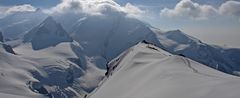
pixel 230 8
pixel 95 7
pixel 133 10
pixel 187 8
pixel 21 8
pixel 7 10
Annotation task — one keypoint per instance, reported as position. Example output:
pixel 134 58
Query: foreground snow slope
pixel 146 71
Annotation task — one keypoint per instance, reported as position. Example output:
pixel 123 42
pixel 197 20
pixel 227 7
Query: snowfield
pixel 64 73
pixel 146 71
pixel 15 73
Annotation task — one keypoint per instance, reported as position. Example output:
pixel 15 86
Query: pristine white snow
pixel 4 95
pixel 146 71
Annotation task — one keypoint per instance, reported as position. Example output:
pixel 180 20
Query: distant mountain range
pixel 58 63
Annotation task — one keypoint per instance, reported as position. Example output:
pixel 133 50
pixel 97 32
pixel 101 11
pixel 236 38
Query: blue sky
pixel 37 3
pixel 220 29
pixel 150 3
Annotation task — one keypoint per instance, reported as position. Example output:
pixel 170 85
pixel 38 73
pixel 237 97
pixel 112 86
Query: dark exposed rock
pixel 1 37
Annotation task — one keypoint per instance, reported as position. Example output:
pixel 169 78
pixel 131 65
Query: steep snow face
pixel 105 37
pixel 219 58
pixel 15 73
pixel 17 24
pixel 146 71
pixel 48 33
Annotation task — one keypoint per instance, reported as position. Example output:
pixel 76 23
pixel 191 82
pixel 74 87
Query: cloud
pixel 8 10
pixel 96 7
pixel 187 8
pixel 133 10
pixel 230 8
pixel 2 11
pixel 20 8
pixel 193 10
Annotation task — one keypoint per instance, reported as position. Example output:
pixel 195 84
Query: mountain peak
pixel 180 37
pixel 49 19
pixel 179 32
pixel 49 22
pixel 48 33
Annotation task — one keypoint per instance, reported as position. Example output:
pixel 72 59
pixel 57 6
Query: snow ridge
pixel 146 73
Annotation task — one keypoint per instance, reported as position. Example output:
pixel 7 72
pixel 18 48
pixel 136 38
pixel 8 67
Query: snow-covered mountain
pixel 48 33
pixel 74 68
pixel 63 74
pixel 69 64
pixel 47 72
pixel 146 71
pixel 105 37
pixel 220 58
pixel 16 24
pixel 119 33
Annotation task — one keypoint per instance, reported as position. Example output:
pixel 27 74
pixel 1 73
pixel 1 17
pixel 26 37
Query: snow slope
pixel 15 73
pixel 3 95
pixel 145 71
pixel 68 73
pixel 223 59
